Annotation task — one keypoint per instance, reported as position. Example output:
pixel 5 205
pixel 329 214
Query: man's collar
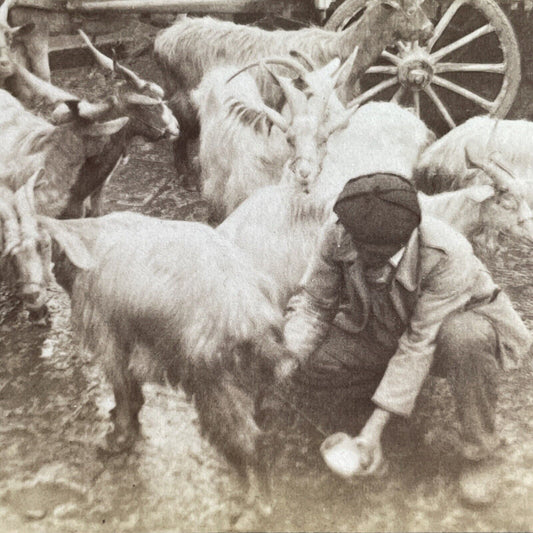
pixel 405 262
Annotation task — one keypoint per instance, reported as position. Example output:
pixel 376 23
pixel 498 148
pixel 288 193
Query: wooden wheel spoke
pixel 367 95
pixel 416 101
pixel 439 104
pixel 450 85
pixel 495 68
pixel 395 60
pixel 397 96
pixel 443 24
pixel 383 69
pixel 472 36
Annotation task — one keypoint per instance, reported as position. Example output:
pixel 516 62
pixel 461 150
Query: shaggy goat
pixel 24 252
pixel 149 117
pixel 245 145
pixel 444 166
pixel 192 46
pixel 28 143
pixel 173 301
pixel 278 225
pixel 137 100
pixel 503 211
pixel 481 213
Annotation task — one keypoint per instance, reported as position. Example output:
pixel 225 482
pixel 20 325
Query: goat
pixel 245 145
pixel 29 142
pixel 24 252
pixel 482 213
pixel 173 301
pixel 191 47
pixel 149 117
pixel 278 225
pixel 136 99
pixel 443 166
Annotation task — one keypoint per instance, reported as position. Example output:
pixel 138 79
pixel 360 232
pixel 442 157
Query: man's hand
pixel 369 443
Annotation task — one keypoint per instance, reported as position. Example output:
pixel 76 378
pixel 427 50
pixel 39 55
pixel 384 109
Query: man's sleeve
pixel 443 291
pixel 311 310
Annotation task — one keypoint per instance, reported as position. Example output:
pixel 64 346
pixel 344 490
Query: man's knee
pixel 463 336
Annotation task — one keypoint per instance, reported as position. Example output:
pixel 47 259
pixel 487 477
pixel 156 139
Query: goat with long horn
pixel 126 73
pixel 236 120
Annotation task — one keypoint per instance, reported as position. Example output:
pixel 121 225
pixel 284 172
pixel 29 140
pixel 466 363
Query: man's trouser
pixel 466 355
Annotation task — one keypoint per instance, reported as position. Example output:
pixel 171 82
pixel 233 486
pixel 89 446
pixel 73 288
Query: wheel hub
pixel 415 70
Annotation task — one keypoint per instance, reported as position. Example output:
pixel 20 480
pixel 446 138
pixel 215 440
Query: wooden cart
pixel 470 66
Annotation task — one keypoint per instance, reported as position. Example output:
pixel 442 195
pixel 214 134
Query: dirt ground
pixel 54 404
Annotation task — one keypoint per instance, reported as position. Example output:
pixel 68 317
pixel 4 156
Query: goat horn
pixel 302 56
pixel 136 81
pixel 343 120
pixel 274 60
pixel 43 88
pixel 276 118
pixel 343 72
pixel 295 98
pixel 30 187
pixel 502 177
pixel 72 109
pixel 4 11
pixel 10 225
pixel 126 73
pixel 24 205
pixel 101 59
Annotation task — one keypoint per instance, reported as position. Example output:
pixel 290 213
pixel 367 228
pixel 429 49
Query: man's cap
pixel 378 209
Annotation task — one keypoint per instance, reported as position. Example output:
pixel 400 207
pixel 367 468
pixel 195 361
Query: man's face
pixel 376 255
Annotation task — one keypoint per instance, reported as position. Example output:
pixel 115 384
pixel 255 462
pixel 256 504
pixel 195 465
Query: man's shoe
pixel 479 482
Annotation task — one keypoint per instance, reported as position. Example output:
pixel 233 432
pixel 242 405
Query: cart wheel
pixel 470 66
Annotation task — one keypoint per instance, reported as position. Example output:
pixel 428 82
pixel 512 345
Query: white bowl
pixel 343 455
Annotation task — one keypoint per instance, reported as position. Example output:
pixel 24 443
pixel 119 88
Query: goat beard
pixel 487 242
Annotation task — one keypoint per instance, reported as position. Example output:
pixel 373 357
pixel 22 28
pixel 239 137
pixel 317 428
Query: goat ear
pixel 479 193
pixel 69 241
pixel 106 128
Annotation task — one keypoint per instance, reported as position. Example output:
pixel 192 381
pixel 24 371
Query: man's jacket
pixel 434 275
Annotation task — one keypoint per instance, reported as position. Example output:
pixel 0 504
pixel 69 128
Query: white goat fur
pixel 443 165
pixel 235 158
pixel 179 277
pixel 481 213
pixel 381 137
pixel 278 226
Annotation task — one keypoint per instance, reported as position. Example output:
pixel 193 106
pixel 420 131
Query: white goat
pixel 443 166
pixel 278 225
pixel 240 150
pixel 245 145
pixel 28 143
pixel 24 252
pixel 157 299
pixel 481 213
pixel 191 47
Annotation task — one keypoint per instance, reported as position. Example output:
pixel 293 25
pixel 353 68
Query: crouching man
pixel 389 298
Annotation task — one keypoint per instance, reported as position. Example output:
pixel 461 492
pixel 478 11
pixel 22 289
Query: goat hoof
pixel 189 183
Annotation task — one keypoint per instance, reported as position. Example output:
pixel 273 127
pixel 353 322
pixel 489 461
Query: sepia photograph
pixel 266 266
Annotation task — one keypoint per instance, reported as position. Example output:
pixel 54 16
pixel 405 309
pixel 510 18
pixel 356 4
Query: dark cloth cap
pixel 378 209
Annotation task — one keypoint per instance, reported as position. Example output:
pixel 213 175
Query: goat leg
pixel 129 400
pixel 183 165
